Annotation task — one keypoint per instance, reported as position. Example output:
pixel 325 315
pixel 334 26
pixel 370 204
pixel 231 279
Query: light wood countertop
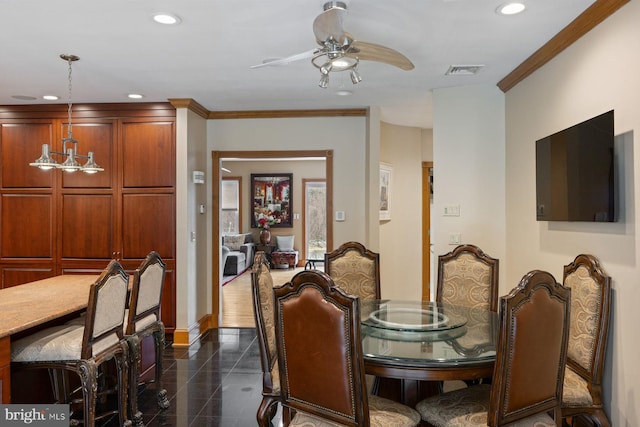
pixel 34 303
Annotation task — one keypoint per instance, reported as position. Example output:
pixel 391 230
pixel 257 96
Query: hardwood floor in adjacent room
pixel 237 303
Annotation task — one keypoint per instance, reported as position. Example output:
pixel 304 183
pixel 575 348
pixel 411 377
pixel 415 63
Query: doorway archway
pixel 217 157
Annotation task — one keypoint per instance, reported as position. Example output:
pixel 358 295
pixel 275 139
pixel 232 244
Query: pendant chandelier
pixel 70 164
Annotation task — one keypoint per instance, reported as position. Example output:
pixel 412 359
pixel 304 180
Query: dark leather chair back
pixel 532 350
pixel 319 349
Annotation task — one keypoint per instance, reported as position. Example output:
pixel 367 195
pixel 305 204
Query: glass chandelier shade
pixel 70 164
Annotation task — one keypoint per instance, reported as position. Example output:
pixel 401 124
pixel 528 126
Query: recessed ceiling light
pixel 510 8
pixel 344 93
pixel 24 97
pixel 50 97
pixel 135 96
pixel 166 18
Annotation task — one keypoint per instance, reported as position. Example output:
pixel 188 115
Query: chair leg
pixel 159 343
pixel 133 360
pixel 87 372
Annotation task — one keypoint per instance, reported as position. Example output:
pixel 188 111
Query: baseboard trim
pixel 188 337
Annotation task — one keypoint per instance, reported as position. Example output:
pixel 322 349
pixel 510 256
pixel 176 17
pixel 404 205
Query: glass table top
pixel 427 334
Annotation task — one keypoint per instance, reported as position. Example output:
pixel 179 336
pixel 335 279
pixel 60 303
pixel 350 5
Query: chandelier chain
pixel 69 102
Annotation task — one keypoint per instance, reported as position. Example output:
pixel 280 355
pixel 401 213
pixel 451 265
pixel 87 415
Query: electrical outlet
pixel 454 238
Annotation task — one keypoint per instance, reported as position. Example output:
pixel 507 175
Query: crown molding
pixel 585 22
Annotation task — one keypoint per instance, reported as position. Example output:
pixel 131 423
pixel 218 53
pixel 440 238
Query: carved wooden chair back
pixel 143 320
pixel 262 294
pixel 590 307
pixel 355 269
pixel 468 276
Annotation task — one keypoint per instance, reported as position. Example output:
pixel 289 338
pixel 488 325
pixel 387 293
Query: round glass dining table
pixel 416 341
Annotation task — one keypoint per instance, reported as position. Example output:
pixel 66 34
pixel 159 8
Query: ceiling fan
pixel 338 50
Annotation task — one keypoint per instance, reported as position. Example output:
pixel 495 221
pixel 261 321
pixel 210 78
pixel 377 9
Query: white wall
pixel 598 73
pixel 468 164
pixel 401 238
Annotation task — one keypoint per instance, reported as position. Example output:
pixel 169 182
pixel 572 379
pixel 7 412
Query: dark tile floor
pixel 217 382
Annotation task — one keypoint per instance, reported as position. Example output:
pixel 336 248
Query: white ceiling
pixel 207 57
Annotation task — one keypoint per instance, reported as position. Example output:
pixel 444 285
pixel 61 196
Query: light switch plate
pixel 452 210
pixel 340 216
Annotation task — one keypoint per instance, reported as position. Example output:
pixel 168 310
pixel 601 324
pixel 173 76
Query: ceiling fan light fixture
pixel 324 81
pixel 355 76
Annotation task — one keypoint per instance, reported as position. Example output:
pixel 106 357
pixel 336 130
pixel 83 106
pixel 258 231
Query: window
pixel 230 206
pixel 315 215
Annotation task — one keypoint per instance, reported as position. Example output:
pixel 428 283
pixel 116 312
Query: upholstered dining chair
pixel 83 348
pixel 590 305
pixel 143 320
pixel 262 293
pixel 526 389
pixel 320 358
pixel 355 269
pixel 468 276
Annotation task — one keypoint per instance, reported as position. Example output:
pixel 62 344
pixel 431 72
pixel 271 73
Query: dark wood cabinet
pixel 54 222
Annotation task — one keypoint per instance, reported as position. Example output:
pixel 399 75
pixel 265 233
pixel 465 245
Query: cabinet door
pixel 98 138
pixel 22 143
pixel 87 227
pixel 148 225
pixel 148 154
pixel 27 226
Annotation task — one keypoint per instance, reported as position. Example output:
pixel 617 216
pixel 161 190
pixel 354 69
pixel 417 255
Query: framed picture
pixel 271 200
pixel 385 191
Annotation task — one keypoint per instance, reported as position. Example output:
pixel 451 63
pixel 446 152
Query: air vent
pixel 463 70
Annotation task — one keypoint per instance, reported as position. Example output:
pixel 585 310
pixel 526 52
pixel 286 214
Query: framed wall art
pixel 385 191
pixel 271 200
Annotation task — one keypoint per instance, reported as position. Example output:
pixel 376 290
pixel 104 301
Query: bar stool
pixel 84 347
pixel 143 320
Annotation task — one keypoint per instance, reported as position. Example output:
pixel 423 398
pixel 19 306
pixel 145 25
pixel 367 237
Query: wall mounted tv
pixel 575 173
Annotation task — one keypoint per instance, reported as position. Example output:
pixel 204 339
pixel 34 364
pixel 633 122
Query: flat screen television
pixel 575 173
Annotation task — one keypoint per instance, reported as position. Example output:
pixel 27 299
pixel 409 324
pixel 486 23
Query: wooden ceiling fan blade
pixel 329 25
pixel 375 52
pixel 288 59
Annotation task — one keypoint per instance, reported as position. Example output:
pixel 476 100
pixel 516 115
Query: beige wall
pixel 192 231
pixel 401 237
pixel 598 73
pixel 468 164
